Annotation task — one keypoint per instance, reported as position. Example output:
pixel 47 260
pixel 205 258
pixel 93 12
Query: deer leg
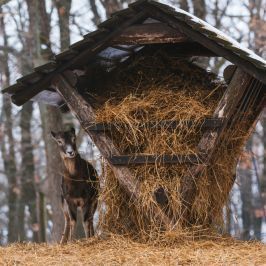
pixel 88 212
pixel 66 232
pixel 88 228
pixel 72 229
pixel 73 220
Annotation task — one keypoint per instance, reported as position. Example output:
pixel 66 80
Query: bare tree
pixel 184 5
pixel 200 9
pixel 52 119
pixel 63 10
pixel 96 18
pixel 8 151
pixel 257 9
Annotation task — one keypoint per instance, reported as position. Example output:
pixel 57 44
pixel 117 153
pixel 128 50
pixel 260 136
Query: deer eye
pixel 73 139
pixel 60 142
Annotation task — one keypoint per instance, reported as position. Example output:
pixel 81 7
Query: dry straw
pixel 153 89
pixel 123 251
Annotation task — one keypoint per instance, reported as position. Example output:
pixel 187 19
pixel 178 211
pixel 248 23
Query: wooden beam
pixel 65 85
pixel 208 123
pixel 152 159
pixel 150 33
pixel 229 108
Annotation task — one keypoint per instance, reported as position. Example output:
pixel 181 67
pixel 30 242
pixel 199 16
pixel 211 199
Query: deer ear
pixel 72 130
pixel 53 134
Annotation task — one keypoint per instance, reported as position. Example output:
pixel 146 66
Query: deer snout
pixel 70 152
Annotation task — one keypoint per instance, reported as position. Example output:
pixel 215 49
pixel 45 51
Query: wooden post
pixel 227 108
pixel 65 86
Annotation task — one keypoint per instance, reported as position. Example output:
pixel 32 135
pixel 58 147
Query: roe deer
pixel 79 185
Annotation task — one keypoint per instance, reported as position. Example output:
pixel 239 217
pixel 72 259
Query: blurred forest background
pixel 31 32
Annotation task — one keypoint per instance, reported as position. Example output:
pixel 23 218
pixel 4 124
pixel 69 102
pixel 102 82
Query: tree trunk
pixel 111 6
pixel 28 193
pixel 28 190
pixel 263 177
pixel 42 217
pixel 8 153
pixel 63 10
pixel 258 26
pixel 200 9
pixel 51 116
pixel 96 16
pixel 245 177
pixel 262 189
pixel 53 121
pixel 184 5
pixel 11 173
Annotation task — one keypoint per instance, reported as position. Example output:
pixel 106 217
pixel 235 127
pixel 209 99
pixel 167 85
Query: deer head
pixel 67 143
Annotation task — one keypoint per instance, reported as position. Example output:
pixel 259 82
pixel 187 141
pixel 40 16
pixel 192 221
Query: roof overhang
pixel 143 23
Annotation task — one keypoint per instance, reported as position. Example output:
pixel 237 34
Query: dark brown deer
pixel 80 186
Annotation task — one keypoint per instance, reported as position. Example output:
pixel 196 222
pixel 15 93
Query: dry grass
pixel 158 88
pixel 123 251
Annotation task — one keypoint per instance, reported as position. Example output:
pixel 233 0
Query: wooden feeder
pixel 145 27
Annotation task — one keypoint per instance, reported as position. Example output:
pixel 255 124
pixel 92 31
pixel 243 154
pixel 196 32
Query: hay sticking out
pixel 155 89
pixel 135 111
pixel 123 251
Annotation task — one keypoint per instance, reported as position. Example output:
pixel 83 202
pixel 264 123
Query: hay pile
pixel 123 251
pixel 153 89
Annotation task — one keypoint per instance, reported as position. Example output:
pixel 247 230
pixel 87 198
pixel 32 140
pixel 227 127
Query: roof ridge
pixel 192 20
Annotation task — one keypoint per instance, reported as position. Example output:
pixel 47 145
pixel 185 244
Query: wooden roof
pixel 144 22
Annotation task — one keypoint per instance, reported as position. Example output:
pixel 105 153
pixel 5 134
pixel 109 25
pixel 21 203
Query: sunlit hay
pixel 155 89
pixel 119 250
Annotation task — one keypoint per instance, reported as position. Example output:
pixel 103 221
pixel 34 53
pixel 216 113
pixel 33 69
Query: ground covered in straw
pixel 122 251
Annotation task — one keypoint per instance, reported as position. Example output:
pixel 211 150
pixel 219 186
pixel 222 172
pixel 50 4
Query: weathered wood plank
pixel 46 68
pixel 66 55
pixel 30 78
pixel 152 159
pixel 150 33
pixel 208 123
pixel 13 89
pixel 65 85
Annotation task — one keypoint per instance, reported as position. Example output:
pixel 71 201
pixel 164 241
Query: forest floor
pixel 122 251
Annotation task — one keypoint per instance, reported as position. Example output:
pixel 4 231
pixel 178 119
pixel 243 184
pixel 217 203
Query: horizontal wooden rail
pixel 209 123
pixel 152 159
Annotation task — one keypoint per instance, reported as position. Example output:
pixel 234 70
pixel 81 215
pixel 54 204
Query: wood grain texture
pixel 150 33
